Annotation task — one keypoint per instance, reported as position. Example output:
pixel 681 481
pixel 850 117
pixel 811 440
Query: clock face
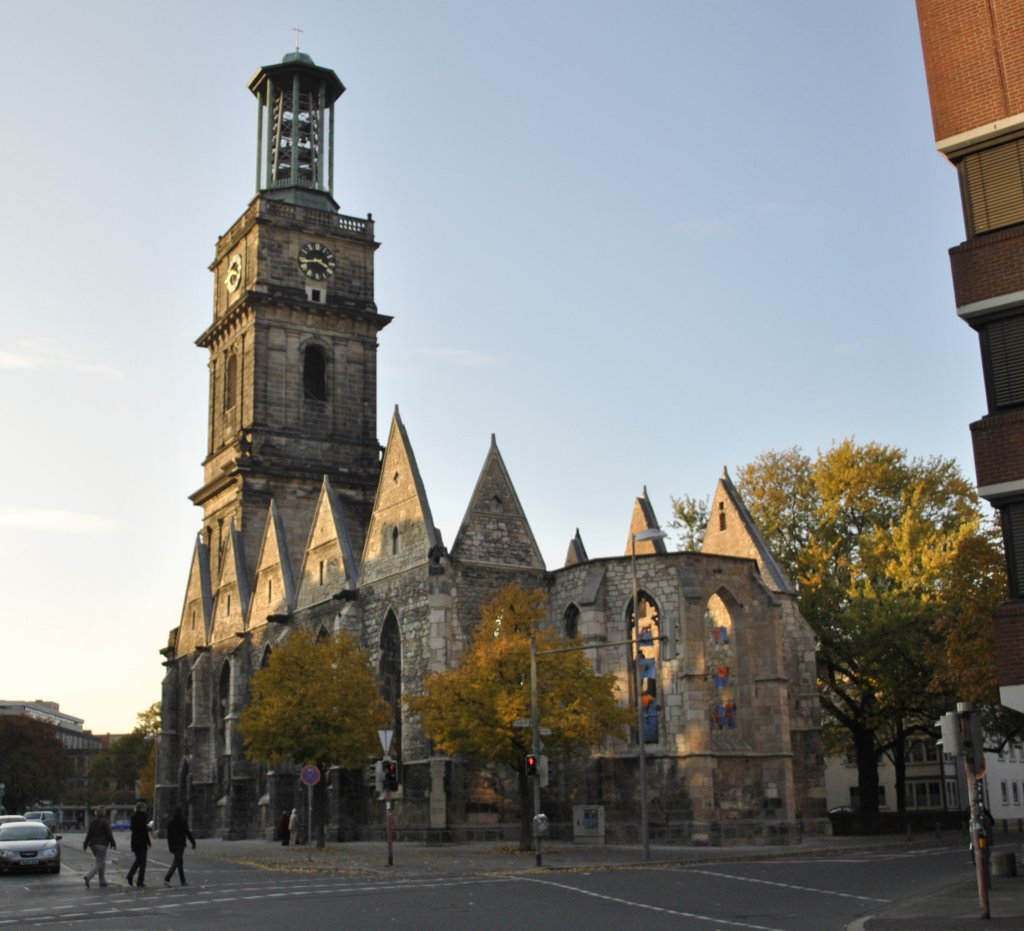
pixel 316 261
pixel 234 276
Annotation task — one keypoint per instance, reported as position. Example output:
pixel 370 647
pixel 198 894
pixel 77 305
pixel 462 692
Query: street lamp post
pixel 642 535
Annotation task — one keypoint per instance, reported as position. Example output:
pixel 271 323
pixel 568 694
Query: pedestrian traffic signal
pixel 532 764
pixel 390 775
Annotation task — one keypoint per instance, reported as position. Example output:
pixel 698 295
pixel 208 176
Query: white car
pixel 4 819
pixel 29 845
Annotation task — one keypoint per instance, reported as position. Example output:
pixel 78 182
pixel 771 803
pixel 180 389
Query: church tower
pixel 293 342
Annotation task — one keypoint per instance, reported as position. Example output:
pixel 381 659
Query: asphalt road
pixel 793 894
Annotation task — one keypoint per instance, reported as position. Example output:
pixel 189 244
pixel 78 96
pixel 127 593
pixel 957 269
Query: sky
pixel 636 240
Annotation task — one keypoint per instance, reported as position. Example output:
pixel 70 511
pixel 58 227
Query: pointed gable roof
pixel 577 551
pixel 273 585
pixel 197 611
pixel 329 564
pixel 401 533
pixel 231 605
pixel 495 530
pixel 643 519
pixel 731 531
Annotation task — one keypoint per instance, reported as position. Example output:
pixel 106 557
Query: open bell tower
pixel 293 342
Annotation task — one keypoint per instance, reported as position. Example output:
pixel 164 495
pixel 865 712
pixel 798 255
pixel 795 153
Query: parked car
pixel 5 818
pixel 48 818
pixel 29 845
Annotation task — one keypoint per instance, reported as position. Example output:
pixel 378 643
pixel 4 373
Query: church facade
pixel 308 522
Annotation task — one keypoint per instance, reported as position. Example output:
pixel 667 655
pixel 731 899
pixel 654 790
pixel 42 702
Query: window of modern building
pixel 1002 355
pixel 1012 514
pixel 992 182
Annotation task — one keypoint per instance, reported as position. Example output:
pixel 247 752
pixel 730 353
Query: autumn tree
pixel 33 762
pixel 890 556
pixel 471 709
pixel 317 701
pixel 148 723
pixel 118 770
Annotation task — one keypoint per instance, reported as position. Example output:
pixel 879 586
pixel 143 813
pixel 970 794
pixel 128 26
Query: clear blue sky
pixel 637 241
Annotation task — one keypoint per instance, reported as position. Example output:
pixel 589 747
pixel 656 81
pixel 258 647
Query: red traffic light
pixel 532 765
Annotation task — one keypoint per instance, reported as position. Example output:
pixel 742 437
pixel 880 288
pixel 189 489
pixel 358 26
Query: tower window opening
pixel 394 541
pixel 230 382
pixel 314 374
pixel 721 515
pixel 321 572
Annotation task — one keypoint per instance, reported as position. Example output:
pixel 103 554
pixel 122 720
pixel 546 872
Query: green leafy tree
pixel 471 709
pixel 317 701
pixel 882 547
pixel 897 572
pixel 690 519
pixel 148 723
pixel 118 771
pixel 33 762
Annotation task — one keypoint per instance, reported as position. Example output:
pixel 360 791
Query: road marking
pixel 768 882
pixel 643 905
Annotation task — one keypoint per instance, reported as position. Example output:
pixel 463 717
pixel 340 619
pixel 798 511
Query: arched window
pixel 645 631
pixel 230 382
pixel 391 677
pixel 571 622
pixel 721 659
pixel 394 541
pixel 314 374
pixel 224 691
pixel 189 685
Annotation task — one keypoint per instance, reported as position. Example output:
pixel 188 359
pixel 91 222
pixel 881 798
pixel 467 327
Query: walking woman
pixel 98 838
pixel 177 834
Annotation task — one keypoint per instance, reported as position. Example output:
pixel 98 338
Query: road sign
pixel 385 739
pixel 521 722
pixel 310 775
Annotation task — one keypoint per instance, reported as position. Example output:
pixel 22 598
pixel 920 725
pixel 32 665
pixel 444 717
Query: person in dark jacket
pixel 98 839
pixel 139 826
pixel 177 834
pixel 282 829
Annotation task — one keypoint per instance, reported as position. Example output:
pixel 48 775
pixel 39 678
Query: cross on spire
pixel 298 32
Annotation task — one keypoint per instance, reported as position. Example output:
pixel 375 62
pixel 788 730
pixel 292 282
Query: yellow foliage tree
pixel 471 709
pixel 317 701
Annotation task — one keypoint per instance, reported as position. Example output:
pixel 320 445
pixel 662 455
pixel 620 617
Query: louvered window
pixel 1002 349
pixel 993 184
pixel 1013 536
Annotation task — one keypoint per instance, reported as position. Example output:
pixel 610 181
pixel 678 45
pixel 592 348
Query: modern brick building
pixel 974 61
pixel 309 522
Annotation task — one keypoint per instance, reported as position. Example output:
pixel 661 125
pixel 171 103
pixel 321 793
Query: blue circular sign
pixel 310 775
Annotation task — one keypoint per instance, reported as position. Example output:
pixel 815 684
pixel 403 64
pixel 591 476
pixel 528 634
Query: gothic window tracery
pixel 721 661
pixel 391 676
pixel 645 633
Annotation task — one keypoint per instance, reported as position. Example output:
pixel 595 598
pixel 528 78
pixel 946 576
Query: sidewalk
pixel 953 907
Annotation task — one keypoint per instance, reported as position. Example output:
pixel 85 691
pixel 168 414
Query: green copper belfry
pixel 295 131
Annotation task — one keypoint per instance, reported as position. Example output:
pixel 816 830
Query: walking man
pixel 140 843
pixel 98 838
pixel 177 834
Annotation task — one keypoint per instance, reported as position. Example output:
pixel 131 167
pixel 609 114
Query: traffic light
pixel 390 768
pixel 532 764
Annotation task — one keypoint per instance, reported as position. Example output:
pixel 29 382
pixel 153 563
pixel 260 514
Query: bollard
pixel 1004 863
